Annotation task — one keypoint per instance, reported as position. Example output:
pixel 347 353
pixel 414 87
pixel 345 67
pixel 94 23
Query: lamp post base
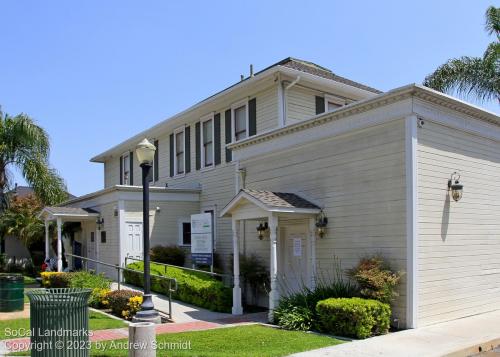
pixel 147 312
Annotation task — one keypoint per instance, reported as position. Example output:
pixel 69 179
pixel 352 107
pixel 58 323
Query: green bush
pixel 170 254
pixel 192 287
pixel 376 279
pixel 354 317
pixel 96 282
pixel 119 300
pixel 55 279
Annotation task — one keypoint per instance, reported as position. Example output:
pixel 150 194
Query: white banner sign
pixel 201 223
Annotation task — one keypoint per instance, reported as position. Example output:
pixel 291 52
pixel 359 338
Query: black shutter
pixel 187 149
pixel 157 160
pixel 121 170
pixel 228 134
pixel 320 105
pixel 217 139
pixel 131 159
pixel 197 138
pixel 171 144
pixel 252 117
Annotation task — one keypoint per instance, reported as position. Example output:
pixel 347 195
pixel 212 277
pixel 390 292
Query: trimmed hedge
pixel 192 287
pixel 119 301
pixel 355 317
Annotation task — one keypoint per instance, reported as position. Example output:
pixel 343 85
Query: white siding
pixel 108 252
pixel 459 242
pixel 359 179
pixel 301 104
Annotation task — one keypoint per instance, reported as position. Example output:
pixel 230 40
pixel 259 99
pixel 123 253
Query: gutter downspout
pixel 285 90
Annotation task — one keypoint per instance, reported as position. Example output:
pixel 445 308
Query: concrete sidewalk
pixel 454 338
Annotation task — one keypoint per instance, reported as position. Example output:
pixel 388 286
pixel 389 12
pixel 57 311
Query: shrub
pixel 192 287
pixel 354 317
pixel 133 306
pixel 170 254
pixel 119 300
pixel 99 298
pixel 375 279
pixel 55 279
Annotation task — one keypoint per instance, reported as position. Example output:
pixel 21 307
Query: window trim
pixel 180 229
pixel 153 166
pixel 177 131
pixel 233 119
pixel 334 100
pixel 125 167
pixel 213 210
pixel 202 147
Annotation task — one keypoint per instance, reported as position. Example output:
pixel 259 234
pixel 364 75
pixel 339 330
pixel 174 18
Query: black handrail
pixel 119 269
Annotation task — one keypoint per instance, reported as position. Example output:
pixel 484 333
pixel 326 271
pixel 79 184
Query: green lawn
pixel 28 280
pixel 242 341
pixel 97 321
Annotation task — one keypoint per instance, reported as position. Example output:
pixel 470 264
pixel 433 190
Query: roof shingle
pixel 280 199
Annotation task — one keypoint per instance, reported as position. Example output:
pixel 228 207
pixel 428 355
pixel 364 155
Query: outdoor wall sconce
pixel 99 222
pixel 455 187
pixel 261 230
pixel 321 223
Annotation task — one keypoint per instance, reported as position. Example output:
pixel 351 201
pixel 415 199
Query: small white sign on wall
pixel 297 247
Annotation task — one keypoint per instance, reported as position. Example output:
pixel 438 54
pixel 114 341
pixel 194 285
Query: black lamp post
pixel 145 154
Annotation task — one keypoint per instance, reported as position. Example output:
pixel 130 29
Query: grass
pixel 28 280
pixel 97 321
pixel 242 341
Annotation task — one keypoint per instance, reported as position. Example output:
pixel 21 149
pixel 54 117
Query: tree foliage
pixel 477 77
pixel 21 220
pixel 25 145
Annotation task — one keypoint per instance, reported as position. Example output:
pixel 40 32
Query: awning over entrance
pixel 271 206
pixel 269 201
pixel 60 215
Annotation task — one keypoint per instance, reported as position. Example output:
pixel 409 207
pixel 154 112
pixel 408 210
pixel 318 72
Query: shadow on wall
pixel 445 218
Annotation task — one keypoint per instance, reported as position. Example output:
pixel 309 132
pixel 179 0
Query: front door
pixel 134 240
pixel 294 267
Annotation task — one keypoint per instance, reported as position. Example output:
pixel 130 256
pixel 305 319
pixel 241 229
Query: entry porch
pixel 289 222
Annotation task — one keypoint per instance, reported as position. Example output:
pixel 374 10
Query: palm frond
pixel 492 25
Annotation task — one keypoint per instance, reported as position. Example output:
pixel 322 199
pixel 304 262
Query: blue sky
pixel 93 73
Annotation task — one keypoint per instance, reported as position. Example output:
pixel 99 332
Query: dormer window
pixel 240 121
pixel 332 103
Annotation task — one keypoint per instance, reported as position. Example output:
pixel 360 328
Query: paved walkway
pixel 454 338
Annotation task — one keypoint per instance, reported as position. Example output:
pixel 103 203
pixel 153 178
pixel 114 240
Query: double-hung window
pixel 332 103
pixel 207 141
pixel 240 121
pixel 125 164
pixel 179 151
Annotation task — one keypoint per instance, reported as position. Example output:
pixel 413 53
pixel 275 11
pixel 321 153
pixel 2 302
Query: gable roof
pixel 270 201
pixel 68 212
pixel 286 66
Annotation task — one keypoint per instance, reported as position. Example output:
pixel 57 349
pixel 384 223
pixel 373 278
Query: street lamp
pixel 145 154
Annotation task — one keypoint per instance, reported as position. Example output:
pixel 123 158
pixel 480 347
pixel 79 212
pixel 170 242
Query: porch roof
pixel 270 201
pixel 66 213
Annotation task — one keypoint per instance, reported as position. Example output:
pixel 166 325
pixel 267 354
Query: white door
pixel 294 261
pixel 91 250
pixel 134 240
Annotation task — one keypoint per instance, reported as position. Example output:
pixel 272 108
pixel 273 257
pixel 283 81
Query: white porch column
pixel 59 245
pixel 237 307
pixel 312 236
pixel 47 243
pixel 274 293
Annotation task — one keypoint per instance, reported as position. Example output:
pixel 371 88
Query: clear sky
pixel 94 73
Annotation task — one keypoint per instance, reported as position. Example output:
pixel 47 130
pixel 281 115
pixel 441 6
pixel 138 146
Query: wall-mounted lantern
pixel 321 223
pixel 455 187
pixel 99 222
pixel 262 229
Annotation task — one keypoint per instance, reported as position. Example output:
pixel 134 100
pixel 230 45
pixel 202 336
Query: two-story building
pixel 294 144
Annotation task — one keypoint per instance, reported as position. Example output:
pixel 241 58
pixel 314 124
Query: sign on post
pixel 202 239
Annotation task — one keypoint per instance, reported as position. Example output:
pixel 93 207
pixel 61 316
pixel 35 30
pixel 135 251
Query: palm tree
pixel 25 145
pixel 477 77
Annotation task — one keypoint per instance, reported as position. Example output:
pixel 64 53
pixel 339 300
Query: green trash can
pixel 11 292
pixel 59 322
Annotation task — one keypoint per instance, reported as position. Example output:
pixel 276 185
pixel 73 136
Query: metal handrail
pixel 222 276
pixel 119 269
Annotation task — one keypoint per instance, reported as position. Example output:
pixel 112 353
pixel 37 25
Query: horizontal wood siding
pixel 359 179
pixel 301 104
pixel 459 242
pixel 267 110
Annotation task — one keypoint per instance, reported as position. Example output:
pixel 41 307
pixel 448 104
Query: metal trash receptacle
pixel 59 322
pixel 11 292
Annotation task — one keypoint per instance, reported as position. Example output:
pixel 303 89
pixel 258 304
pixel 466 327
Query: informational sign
pixel 297 247
pixel 202 239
